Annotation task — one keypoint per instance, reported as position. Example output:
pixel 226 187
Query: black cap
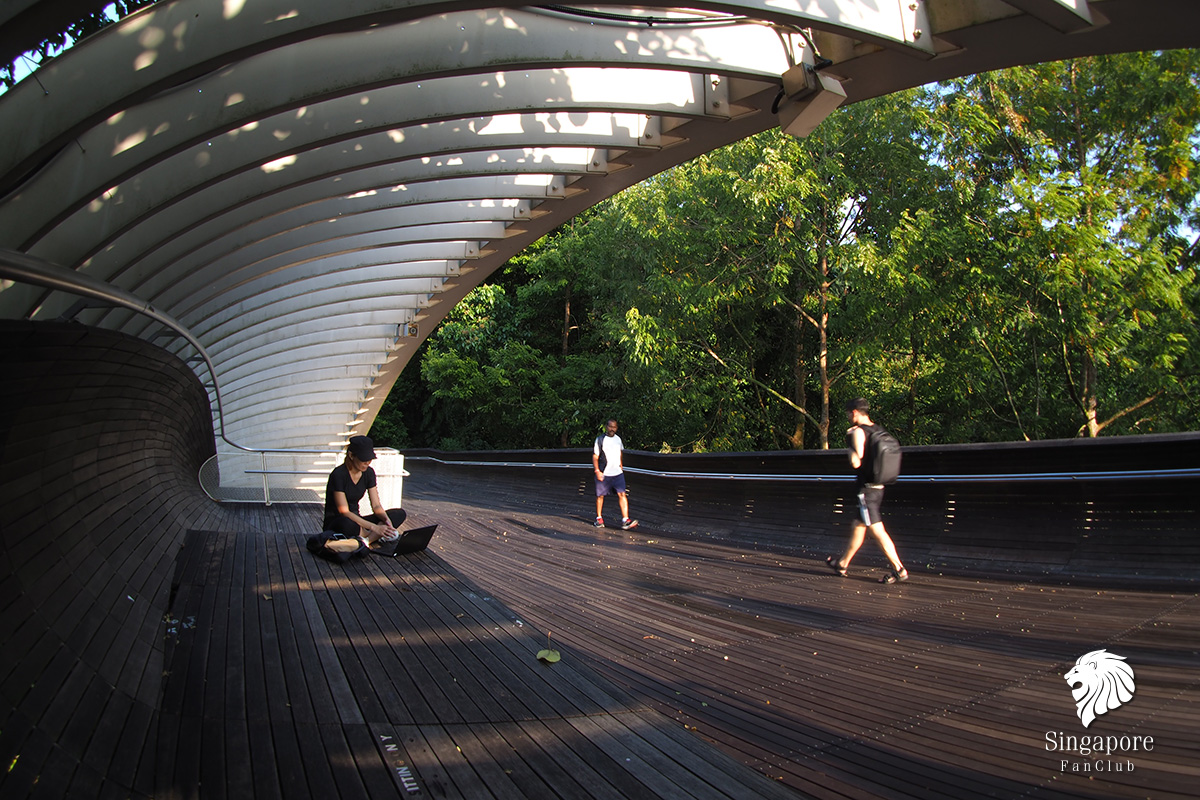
pixel 362 448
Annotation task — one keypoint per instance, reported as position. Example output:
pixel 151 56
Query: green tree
pixel 834 197
pixel 1000 257
pixel 1094 164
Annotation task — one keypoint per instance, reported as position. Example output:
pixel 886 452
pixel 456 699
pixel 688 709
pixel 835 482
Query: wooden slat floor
pixel 690 669
pixel 289 677
pixel 843 687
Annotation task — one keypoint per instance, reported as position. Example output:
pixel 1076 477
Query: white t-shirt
pixel 612 451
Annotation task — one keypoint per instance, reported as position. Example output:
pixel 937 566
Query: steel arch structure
pixel 309 187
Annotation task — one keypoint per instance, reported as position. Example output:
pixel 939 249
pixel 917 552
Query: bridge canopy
pixel 306 188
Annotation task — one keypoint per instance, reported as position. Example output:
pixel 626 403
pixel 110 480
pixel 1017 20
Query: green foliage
pixel 1093 170
pixel 43 52
pixel 1009 256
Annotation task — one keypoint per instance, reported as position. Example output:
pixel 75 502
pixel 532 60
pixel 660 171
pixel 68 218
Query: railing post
pixel 401 479
pixel 266 479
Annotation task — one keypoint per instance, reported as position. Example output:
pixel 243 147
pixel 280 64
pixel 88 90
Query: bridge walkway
pixel 681 657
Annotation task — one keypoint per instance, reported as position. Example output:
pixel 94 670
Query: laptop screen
pixel 410 541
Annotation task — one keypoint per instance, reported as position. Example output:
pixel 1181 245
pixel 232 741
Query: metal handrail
pixel 31 269
pixel 1015 477
pixel 40 272
pixel 237 493
pixel 403 473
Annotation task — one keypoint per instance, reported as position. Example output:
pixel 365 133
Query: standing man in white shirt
pixel 610 474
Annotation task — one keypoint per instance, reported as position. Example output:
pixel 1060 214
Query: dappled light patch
pixel 279 164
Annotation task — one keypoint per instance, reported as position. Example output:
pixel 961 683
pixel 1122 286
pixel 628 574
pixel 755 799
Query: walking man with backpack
pixel 610 474
pixel 875 456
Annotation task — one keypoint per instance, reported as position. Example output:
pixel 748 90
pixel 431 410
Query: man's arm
pixel 855 446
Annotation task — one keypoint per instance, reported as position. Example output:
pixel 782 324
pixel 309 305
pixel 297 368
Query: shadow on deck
pixel 291 677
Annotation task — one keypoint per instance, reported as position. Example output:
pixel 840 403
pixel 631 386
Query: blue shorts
pixel 612 484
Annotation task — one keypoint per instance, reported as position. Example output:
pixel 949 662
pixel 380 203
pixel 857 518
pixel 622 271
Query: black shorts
pixel 349 528
pixel 870 498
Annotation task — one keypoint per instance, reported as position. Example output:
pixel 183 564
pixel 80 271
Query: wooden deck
pixel 689 670
pixel 291 677
pixel 842 687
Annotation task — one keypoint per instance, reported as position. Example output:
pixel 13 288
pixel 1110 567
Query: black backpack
pixel 884 454
pixel 600 446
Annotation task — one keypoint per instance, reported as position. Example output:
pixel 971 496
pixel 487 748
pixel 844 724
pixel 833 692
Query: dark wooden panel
pixel 102 436
pixel 403 648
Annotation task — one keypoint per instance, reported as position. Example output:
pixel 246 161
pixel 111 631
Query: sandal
pixel 895 577
pixel 836 567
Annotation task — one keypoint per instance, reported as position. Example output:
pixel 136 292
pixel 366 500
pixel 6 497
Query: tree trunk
pixel 914 372
pixel 566 328
pixel 566 334
pixel 800 378
pixel 1089 393
pixel 823 350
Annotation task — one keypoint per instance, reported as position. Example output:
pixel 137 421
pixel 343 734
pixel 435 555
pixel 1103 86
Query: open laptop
pixel 408 542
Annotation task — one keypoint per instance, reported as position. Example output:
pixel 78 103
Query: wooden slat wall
pixel 1127 529
pixel 102 437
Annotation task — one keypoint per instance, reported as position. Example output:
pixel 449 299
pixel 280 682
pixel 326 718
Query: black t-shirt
pixel 865 474
pixel 339 481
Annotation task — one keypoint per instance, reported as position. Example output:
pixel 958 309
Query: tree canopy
pixel 1008 256
pixel 47 49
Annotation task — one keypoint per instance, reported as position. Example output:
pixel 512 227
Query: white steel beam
pixel 303 183
pixel 145 250
pixel 169 42
pixel 395 302
pixel 342 125
pixel 227 161
pixel 205 294
pixel 275 306
pixel 1067 16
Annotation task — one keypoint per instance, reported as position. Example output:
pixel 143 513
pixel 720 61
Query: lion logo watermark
pixel 1100 682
